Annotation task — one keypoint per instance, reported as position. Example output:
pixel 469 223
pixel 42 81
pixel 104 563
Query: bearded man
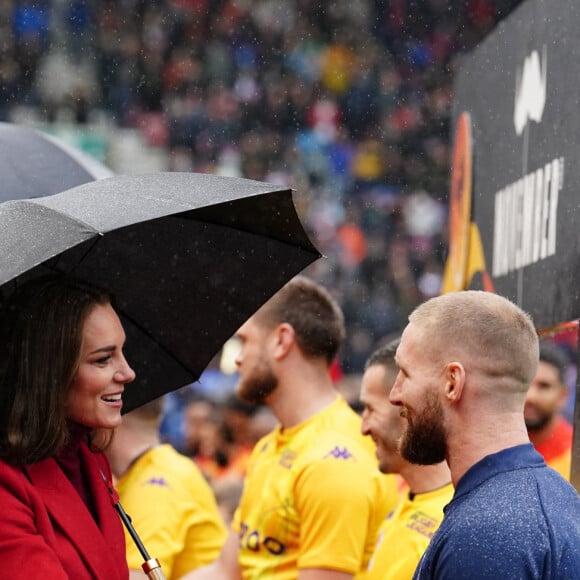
pixel 466 361
pixel 548 430
pixel 313 497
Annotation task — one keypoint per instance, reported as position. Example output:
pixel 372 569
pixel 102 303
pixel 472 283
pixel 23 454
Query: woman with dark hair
pixel 62 375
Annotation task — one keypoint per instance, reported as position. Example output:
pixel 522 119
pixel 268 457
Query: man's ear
pixel 285 338
pixel 455 381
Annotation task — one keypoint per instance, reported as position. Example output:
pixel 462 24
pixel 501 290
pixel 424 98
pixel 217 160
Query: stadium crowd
pixel 349 103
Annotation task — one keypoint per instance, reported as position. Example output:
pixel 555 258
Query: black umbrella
pixel 188 256
pixel 34 164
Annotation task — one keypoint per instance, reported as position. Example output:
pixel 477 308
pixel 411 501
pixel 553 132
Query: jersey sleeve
pixel 205 533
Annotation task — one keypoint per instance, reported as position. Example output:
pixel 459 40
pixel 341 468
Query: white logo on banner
pixel 530 97
pixel 525 225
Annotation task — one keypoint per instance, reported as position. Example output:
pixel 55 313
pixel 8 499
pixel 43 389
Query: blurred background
pixel 346 101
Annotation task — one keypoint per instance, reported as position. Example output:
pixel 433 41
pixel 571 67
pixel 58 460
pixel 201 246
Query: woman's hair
pixel 41 327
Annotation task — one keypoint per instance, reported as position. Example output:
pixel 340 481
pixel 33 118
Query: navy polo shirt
pixel 511 517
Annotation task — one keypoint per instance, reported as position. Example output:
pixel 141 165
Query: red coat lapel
pixel 99 545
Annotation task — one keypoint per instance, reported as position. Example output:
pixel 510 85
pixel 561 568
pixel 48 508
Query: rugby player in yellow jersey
pixel 172 506
pixel 313 497
pixel 406 532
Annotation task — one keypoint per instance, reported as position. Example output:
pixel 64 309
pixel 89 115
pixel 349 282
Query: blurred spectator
pixel 228 493
pixel 548 430
pixel 205 445
pixel 196 413
pixel 236 423
pixel 217 436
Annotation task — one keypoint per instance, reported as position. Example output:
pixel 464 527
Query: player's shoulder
pixel 340 427
pixel 173 466
pixel 338 443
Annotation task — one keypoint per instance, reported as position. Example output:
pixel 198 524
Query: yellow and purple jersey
pixel 405 534
pixel 313 498
pixel 173 510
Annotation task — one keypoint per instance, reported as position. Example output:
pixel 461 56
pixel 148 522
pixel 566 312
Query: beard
pixel 258 384
pixel 424 441
pixel 538 422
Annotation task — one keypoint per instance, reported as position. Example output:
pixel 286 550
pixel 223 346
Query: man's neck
pixel 128 447
pixel 469 446
pixel 300 402
pixel 425 478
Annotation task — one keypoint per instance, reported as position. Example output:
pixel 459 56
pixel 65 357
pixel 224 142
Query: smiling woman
pixel 62 375
pixel 94 398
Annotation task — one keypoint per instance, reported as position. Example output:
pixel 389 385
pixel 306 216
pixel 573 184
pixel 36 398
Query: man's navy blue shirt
pixel 511 517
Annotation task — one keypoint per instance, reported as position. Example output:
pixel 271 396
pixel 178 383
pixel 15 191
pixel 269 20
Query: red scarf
pixel 69 460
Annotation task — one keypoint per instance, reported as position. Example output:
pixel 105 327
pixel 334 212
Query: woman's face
pixel 95 396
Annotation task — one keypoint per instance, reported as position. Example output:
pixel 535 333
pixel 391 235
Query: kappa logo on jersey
pixel 160 481
pixel 339 453
pixel 530 97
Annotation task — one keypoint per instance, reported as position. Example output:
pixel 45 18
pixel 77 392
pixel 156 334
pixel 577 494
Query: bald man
pixel 466 361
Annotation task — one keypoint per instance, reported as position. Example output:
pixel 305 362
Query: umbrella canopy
pixel 34 164
pixel 189 257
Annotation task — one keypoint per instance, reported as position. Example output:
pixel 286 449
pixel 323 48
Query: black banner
pixel 521 87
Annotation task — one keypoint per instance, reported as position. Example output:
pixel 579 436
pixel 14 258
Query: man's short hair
pixel 553 355
pixel 384 355
pixel 312 312
pixel 490 331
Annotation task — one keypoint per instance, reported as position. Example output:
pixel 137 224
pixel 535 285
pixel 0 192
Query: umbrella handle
pixel 151 566
pixel 153 569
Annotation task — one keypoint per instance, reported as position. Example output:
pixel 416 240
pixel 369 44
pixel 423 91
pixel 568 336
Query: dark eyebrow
pixel 104 349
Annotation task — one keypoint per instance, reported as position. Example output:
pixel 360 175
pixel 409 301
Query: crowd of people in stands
pixel 348 103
